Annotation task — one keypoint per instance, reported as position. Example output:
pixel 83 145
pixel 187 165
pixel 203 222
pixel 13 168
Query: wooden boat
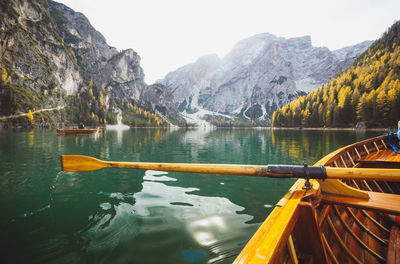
pixel 73 131
pixel 318 221
pixel 335 221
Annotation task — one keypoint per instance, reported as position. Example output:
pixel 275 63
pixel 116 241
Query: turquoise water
pixel 137 216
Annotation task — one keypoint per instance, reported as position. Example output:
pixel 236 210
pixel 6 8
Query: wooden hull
pixel 76 131
pixel 335 221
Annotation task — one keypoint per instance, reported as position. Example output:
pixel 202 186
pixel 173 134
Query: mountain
pixel 259 75
pixel 366 94
pixel 51 56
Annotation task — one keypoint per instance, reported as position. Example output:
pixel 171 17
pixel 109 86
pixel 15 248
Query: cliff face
pixel 366 94
pixel 50 51
pixel 260 74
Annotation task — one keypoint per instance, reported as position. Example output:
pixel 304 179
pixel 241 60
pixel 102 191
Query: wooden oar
pixel 86 163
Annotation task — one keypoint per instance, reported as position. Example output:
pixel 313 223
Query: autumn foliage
pixel 369 91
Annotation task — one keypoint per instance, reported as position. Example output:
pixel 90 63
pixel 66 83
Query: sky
pixel 168 34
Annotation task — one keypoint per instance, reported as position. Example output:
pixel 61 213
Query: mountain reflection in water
pixel 137 216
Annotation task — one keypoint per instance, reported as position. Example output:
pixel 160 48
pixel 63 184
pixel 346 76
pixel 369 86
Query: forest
pixel 369 92
pixel 89 107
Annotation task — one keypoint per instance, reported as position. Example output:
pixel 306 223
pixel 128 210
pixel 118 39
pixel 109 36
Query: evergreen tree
pixel 368 91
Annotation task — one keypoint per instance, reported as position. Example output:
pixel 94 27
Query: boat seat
pixel 381 159
pixel 393 255
pixel 378 164
pixel 382 155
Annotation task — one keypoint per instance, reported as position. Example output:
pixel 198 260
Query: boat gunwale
pixel 274 222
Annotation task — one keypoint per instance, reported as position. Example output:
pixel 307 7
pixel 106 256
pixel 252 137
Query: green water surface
pixel 137 216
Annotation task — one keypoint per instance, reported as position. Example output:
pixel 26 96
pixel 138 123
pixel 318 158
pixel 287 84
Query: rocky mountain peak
pixel 260 74
pixel 48 50
pixel 299 43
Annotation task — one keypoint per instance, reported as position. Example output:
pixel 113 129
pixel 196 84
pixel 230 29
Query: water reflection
pixel 312 145
pixel 205 230
pixel 31 139
pixel 158 220
pixel 122 215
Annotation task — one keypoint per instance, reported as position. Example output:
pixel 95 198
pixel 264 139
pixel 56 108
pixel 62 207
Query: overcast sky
pixel 168 34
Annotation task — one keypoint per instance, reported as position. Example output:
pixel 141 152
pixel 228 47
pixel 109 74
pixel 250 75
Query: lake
pixel 137 216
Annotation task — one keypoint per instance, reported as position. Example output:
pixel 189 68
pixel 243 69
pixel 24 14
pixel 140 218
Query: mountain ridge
pixel 367 94
pixel 51 55
pixel 260 74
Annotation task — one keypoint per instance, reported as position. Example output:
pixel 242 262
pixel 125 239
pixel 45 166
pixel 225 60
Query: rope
pixel 395 144
pixel 398 133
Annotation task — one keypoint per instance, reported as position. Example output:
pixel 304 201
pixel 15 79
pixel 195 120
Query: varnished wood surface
pixel 86 163
pixel 367 244
pixel 382 155
pixel 381 202
pixel 394 246
pixel 269 242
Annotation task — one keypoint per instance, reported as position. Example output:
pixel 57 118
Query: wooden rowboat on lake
pixel 336 221
pixel 340 211
pixel 77 131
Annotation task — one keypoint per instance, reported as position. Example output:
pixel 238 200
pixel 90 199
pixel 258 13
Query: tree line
pixel 89 107
pixel 369 91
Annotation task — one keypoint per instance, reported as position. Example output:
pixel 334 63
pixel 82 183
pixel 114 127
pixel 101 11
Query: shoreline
pixel 214 128
pixel 331 128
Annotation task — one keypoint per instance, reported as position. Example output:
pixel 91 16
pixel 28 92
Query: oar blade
pixel 80 163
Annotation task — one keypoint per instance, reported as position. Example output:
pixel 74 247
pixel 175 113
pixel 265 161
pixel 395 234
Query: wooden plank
pixel 308 234
pixel 355 184
pixel 374 221
pixel 382 202
pixel 344 163
pixel 335 163
pixel 329 250
pixel 398 247
pixel 292 251
pixel 323 214
pixel 393 255
pixel 366 149
pixel 356 238
pixel 379 164
pixel 341 243
pixel 338 187
pixel 377 186
pixel 351 159
pixel 383 143
pixel 365 228
pixel 372 243
pixel 382 155
pixel 367 185
pixel 388 187
pixel 269 242
pixel 328 159
pixel 377 149
pixel 358 154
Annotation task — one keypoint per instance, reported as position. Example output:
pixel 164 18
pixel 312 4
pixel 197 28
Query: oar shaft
pixel 278 171
pixel 227 169
pixel 85 163
pixel 363 174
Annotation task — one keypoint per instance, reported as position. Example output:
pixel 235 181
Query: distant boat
pixel 77 131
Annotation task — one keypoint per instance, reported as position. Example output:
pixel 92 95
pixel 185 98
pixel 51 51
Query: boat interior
pixel 334 221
